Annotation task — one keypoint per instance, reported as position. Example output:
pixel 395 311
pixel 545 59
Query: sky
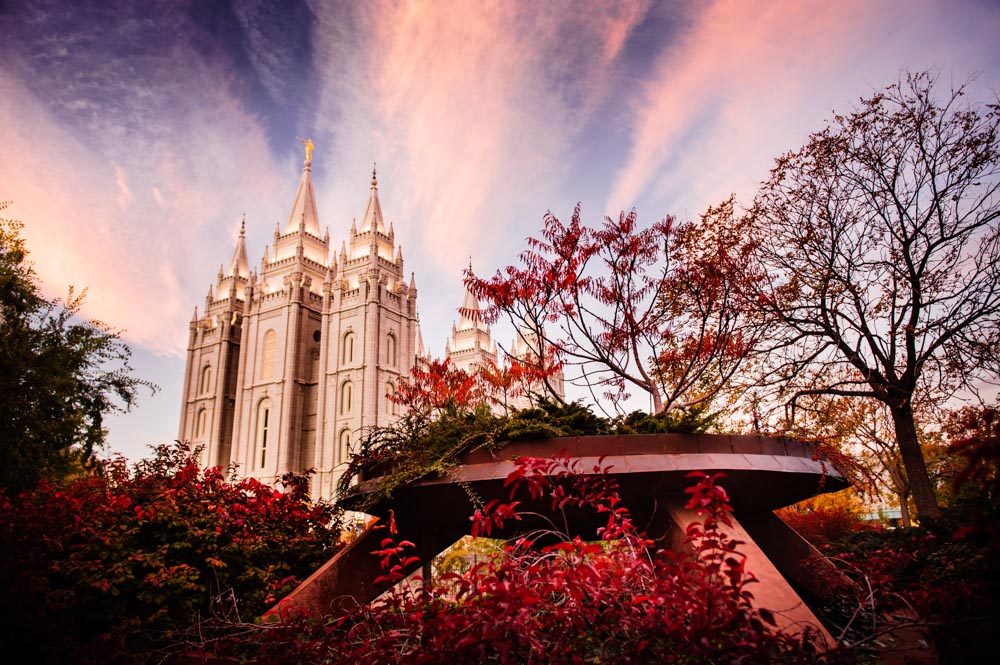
pixel 135 135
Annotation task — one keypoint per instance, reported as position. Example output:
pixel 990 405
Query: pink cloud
pixel 138 223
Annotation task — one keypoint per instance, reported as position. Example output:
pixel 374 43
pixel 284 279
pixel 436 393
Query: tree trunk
pixel 656 399
pixel 904 509
pixel 902 487
pixel 913 461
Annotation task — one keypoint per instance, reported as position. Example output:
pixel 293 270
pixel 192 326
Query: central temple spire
pixel 304 209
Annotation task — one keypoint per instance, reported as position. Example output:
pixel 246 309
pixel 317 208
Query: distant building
pixel 471 345
pixel 287 365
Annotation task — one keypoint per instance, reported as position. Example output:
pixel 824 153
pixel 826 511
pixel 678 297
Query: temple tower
pixel 472 347
pixel 288 365
pixel 471 344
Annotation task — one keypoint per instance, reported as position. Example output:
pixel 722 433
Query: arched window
pixel 201 423
pixel 346 396
pixel 390 390
pixel 390 350
pixel 348 348
pixel 345 445
pixel 267 355
pixel 263 430
pixel 206 380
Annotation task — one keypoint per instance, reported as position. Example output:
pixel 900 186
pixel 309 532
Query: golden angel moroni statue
pixel 308 143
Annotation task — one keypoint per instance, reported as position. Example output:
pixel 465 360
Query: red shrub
pixel 567 602
pixel 824 520
pixel 110 564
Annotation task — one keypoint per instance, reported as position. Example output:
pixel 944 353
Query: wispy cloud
pixel 472 110
pixel 748 81
pixel 124 193
pixel 739 70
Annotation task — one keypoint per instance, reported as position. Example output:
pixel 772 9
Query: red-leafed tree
pixel 623 307
pixel 502 383
pixel 437 385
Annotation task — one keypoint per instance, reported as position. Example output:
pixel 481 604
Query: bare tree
pixel 880 246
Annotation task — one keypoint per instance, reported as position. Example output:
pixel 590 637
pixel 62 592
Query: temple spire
pixel 304 213
pixel 372 219
pixel 421 352
pixel 471 313
pixel 239 266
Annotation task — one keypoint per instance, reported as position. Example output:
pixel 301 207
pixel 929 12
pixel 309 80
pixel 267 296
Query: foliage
pixel 414 446
pixel 829 517
pixel 58 377
pixel 111 563
pixel 466 554
pixel 692 420
pixel 548 419
pixel 436 387
pixel 880 243
pixel 863 430
pixel 944 579
pixel 974 433
pixel 552 598
pixel 448 415
pixel 947 581
pixel 653 309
